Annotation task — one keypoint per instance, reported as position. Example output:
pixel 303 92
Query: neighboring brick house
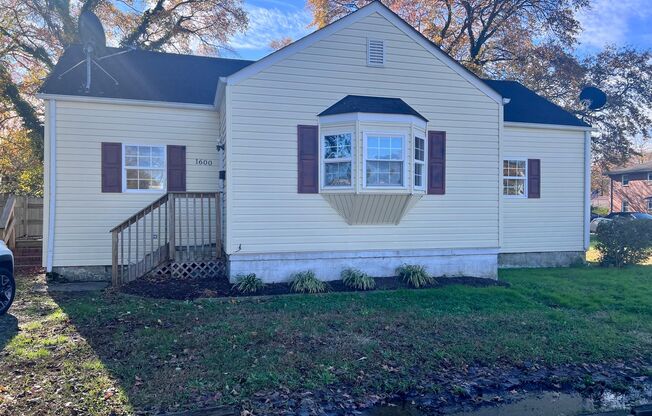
pixel 631 188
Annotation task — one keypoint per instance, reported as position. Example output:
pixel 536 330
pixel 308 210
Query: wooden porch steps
pixel 28 253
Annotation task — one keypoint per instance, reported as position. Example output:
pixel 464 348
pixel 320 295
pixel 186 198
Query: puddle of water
pixel 537 404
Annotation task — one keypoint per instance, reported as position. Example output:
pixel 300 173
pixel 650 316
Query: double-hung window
pixel 649 205
pixel 625 180
pixel 515 177
pixel 384 161
pixel 337 160
pixel 626 207
pixel 419 163
pixel 144 168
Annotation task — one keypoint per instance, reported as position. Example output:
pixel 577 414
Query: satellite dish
pixel 593 98
pixel 93 39
pixel 91 33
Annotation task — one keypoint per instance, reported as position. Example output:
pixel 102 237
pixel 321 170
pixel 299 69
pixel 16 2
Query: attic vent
pixel 375 52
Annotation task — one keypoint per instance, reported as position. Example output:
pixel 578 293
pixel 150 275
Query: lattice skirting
pixel 191 269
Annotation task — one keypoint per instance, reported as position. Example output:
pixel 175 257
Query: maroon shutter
pixel 534 178
pixel 436 162
pixel 176 168
pixel 308 159
pixel 111 167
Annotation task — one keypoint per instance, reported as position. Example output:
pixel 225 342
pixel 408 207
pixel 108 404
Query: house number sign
pixel 203 162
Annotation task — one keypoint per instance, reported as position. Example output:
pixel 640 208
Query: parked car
pixel 7 282
pixel 628 215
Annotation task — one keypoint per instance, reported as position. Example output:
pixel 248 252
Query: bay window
pixel 337 160
pixel 384 161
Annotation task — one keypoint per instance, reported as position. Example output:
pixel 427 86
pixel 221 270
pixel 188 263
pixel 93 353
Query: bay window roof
pixel 366 104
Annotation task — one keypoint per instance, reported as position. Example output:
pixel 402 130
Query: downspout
pixel 587 189
pixel 52 174
pixel 611 195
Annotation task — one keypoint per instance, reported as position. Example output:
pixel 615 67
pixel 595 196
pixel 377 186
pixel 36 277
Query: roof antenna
pixel 93 40
pixel 593 98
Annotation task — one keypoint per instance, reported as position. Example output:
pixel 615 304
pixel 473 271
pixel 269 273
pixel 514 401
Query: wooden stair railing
pixel 181 227
pixel 8 223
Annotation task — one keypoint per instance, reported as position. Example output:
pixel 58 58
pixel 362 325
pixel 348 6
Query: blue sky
pixel 620 22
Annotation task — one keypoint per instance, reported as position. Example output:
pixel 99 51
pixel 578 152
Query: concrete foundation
pixel 83 273
pixel 541 259
pixel 328 265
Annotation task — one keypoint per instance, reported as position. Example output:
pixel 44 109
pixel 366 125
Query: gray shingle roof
pixel 641 167
pixel 365 104
pixel 526 106
pixel 144 75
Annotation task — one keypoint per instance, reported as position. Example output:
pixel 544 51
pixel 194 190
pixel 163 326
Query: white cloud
pixel 267 24
pixel 609 21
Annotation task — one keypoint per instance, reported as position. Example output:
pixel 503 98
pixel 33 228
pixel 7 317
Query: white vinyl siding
pixel 266 212
pixel 84 215
pixel 553 222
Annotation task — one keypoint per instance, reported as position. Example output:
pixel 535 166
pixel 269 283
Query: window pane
pixel 132 184
pixel 158 162
pixel 157 152
pixel 514 168
pixel 419 148
pixel 418 175
pixel 131 150
pixel 337 146
pixel 384 173
pixel 132 174
pixel 384 148
pixel 338 174
pixel 514 187
pixel 131 161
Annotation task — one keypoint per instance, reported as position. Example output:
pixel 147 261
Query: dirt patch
pixel 220 287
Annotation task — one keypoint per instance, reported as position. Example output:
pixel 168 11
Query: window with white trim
pixel 625 206
pixel 649 177
pixel 337 160
pixel 144 168
pixel 625 180
pixel 515 177
pixel 419 163
pixel 649 205
pixel 384 160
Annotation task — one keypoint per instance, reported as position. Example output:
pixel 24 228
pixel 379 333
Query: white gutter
pixel 125 101
pixel 587 189
pixel 546 126
pixel 52 173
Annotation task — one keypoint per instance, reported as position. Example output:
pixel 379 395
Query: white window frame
pixel 405 159
pixel 623 178
pixel 424 173
pixel 649 177
pixel 622 205
pixel 524 178
pixel 649 205
pixel 323 160
pixel 124 170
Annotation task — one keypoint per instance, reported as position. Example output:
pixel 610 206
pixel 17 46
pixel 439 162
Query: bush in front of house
pixel 357 279
pixel 415 275
pixel 624 241
pixel 248 283
pixel 306 282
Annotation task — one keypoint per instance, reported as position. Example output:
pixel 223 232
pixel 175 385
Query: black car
pixel 630 215
pixel 7 283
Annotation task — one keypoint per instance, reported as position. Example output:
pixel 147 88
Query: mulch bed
pixel 218 287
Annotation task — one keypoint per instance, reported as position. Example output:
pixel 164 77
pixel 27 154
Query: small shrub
pixel 248 283
pixel 414 275
pixel 624 241
pixel 306 282
pixel 356 279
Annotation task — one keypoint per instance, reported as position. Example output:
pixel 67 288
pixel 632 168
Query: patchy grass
pixel 99 353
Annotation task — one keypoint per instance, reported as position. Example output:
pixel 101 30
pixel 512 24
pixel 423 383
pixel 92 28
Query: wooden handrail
pixel 7 223
pixel 166 231
pixel 141 213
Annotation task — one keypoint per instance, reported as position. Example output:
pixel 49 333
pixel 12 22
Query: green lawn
pixel 104 352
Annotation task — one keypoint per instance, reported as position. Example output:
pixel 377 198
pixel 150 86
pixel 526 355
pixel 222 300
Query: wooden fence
pixel 28 215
